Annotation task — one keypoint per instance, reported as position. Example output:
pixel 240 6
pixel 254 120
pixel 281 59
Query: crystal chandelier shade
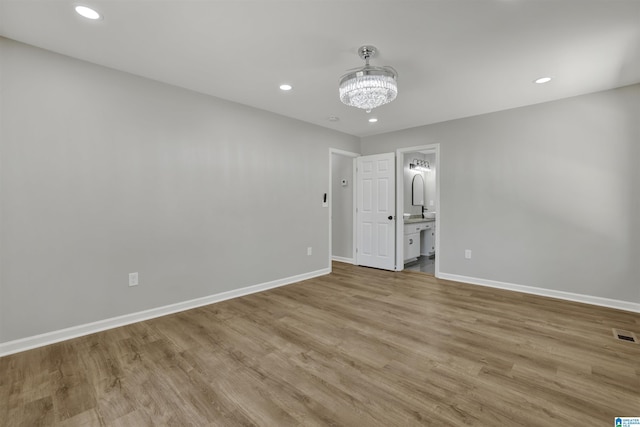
pixel 368 87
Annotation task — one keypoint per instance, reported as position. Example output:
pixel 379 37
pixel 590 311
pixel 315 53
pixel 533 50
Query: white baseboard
pixel 28 343
pixel 586 299
pixel 342 259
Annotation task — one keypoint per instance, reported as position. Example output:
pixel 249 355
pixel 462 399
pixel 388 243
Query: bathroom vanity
pixel 419 238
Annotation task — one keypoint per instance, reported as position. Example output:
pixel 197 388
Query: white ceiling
pixel 455 58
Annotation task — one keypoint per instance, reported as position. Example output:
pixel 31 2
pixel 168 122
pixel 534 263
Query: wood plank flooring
pixel 359 347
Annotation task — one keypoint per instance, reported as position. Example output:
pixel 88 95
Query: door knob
pixel 390 217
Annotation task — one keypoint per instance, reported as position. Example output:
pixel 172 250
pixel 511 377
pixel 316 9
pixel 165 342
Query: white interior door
pixel 375 211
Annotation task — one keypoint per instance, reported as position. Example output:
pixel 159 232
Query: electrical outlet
pixel 309 250
pixel 133 279
pixel 467 253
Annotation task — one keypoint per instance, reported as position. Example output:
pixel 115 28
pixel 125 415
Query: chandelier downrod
pixel 366 52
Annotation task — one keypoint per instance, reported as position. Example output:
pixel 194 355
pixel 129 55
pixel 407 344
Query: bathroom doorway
pixel 418 224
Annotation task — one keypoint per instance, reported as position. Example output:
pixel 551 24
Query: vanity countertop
pixel 416 220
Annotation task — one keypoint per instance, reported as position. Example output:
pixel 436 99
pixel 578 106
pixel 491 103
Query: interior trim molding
pixel 569 296
pixel 28 343
pixel 342 259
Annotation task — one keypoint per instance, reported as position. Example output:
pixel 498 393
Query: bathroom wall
pixel 408 182
pixel 431 203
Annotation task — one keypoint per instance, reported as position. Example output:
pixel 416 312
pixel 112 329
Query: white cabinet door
pixel 375 210
pixel 429 241
pixel 411 246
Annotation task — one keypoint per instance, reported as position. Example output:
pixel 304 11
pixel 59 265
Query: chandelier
pixel 368 87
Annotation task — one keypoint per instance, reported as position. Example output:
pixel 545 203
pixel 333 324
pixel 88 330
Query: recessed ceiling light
pixel 87 12
pixel 286 87
pixel 542 80
pixel 373 120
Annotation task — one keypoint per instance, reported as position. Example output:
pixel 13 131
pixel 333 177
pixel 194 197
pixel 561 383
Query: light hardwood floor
pixel 359 347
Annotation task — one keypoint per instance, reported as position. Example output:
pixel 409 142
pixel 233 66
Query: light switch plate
pixel 133 279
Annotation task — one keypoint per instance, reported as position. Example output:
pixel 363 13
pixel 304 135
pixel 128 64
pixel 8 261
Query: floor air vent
pixel 625 335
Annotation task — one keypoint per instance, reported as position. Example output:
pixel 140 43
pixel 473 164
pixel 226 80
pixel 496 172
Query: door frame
pixel 391 211
pixel 339 152
pixel 400 152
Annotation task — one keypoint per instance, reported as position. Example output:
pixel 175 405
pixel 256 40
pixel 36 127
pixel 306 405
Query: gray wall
pixel 104 173
pixel 342 206
pixel 545 196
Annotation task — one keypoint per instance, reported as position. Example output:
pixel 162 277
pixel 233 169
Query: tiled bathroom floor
pixel 423 264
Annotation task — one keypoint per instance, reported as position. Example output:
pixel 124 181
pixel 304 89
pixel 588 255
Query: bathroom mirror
pixel 417 191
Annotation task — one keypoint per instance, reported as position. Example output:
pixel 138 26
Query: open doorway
pixel 417 209
pixel 342 206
